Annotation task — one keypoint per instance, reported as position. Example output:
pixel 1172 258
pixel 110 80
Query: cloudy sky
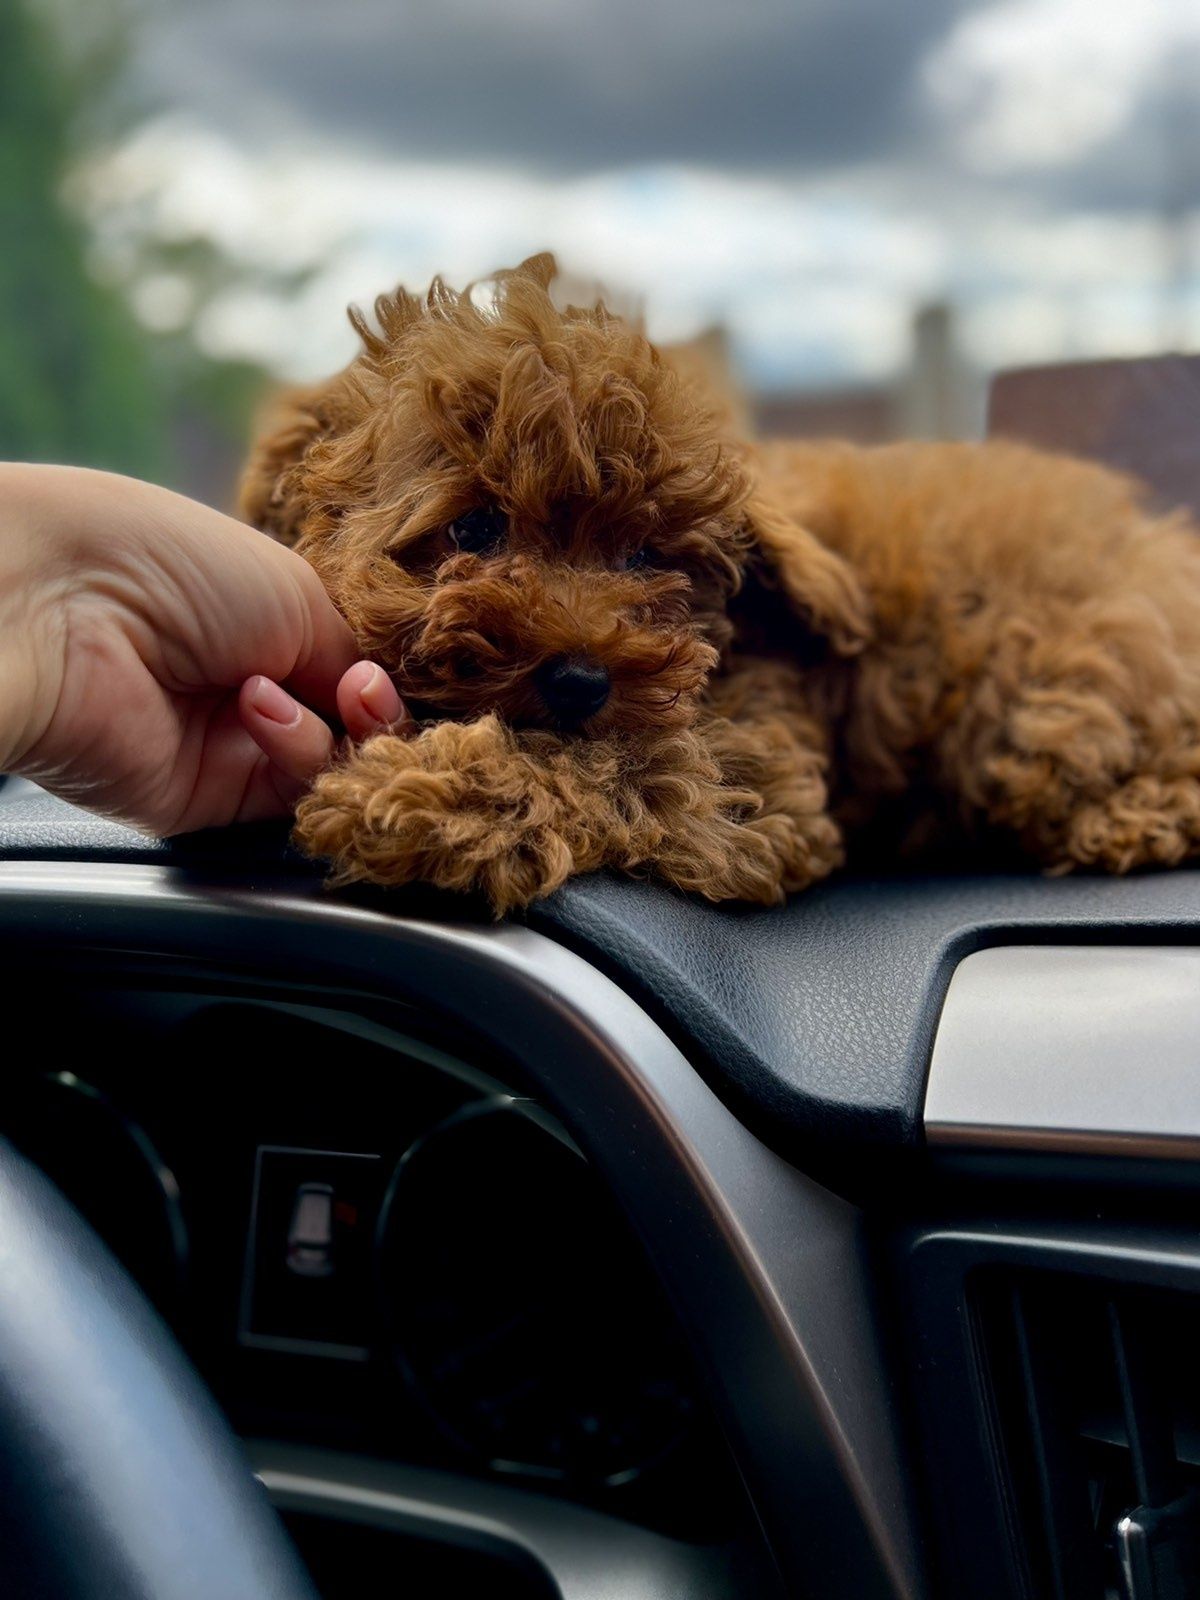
pixel 805 171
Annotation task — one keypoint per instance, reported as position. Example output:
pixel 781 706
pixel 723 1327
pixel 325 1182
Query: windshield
pixel 853 212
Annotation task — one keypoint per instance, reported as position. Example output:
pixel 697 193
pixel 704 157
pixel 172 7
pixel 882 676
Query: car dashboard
pixel 644 1248
pixel 368 1242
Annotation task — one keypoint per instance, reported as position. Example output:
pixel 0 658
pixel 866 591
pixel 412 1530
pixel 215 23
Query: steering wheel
pixel 119 1477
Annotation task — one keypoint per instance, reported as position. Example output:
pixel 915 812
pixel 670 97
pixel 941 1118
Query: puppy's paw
pixel 765 850
pixel 459 807
pixel 1146 822
pixel 806 848
pixel 728 847
pixel 724 860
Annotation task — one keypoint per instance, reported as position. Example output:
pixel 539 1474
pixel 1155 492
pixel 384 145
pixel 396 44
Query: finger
pixel 240 783
pixel 367 703
pixel 294 739
pixel 233 780
pixel 331 648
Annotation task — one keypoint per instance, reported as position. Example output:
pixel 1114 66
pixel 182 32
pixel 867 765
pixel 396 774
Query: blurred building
pixel 938 395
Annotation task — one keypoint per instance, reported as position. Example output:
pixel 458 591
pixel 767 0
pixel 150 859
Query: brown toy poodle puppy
pixel 633 642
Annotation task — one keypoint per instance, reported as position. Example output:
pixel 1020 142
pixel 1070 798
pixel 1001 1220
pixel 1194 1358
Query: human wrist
pixel 32 626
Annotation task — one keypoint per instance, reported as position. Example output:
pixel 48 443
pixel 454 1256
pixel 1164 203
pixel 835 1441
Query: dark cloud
pixel 574 86
pixel 560 85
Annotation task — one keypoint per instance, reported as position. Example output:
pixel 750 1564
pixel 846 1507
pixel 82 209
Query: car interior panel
pixel 633 1247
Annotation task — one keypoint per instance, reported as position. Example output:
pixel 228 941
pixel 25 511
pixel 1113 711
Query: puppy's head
pixel 519 510
pixel 527 511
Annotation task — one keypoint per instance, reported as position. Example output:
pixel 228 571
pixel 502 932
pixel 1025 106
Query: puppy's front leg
pixel 463 806
pixel 767 740
pixel 477 806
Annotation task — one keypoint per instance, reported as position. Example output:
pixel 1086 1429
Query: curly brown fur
pixel 801 643
pixel 473 805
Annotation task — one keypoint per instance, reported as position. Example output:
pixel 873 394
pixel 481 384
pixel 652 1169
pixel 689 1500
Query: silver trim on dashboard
pixel 770 1272
pixel 1081 1049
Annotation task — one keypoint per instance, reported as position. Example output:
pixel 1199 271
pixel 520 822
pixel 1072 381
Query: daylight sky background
pixel 805 172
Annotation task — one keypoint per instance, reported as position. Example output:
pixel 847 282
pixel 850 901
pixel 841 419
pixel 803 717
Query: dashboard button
pixel 308 1274
pixel 310 1237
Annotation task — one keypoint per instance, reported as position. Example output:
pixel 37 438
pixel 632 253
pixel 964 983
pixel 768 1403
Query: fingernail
pixel 379 697
pixel 274 703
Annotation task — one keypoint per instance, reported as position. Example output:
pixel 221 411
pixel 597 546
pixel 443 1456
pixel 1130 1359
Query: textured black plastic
pixel 814 1019
pixel 35 826
pixel 819 1015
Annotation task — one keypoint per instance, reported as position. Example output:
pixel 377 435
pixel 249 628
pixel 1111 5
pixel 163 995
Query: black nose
pixel 573 687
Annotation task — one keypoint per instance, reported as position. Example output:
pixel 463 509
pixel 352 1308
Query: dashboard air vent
pixel 1094 1396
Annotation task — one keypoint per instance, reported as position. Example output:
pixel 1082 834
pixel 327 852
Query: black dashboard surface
pixel 814 1019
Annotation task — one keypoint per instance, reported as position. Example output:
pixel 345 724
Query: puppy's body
pixel 1034 660
pixel 636 643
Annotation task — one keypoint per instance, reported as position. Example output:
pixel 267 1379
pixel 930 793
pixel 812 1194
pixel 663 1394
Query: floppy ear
pixel 789 567
pixel 270 496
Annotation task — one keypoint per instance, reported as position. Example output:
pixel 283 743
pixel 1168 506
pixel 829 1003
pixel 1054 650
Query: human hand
pixel 143 642
pixel 297 744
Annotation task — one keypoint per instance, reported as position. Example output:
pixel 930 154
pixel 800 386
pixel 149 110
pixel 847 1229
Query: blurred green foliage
pixel 81 380
pixel 77 379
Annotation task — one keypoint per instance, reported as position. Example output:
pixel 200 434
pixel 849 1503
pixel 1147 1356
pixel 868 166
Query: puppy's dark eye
pixel 642 557
pixel 477 531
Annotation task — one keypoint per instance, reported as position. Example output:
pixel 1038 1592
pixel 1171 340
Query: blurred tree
pixel 77 374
